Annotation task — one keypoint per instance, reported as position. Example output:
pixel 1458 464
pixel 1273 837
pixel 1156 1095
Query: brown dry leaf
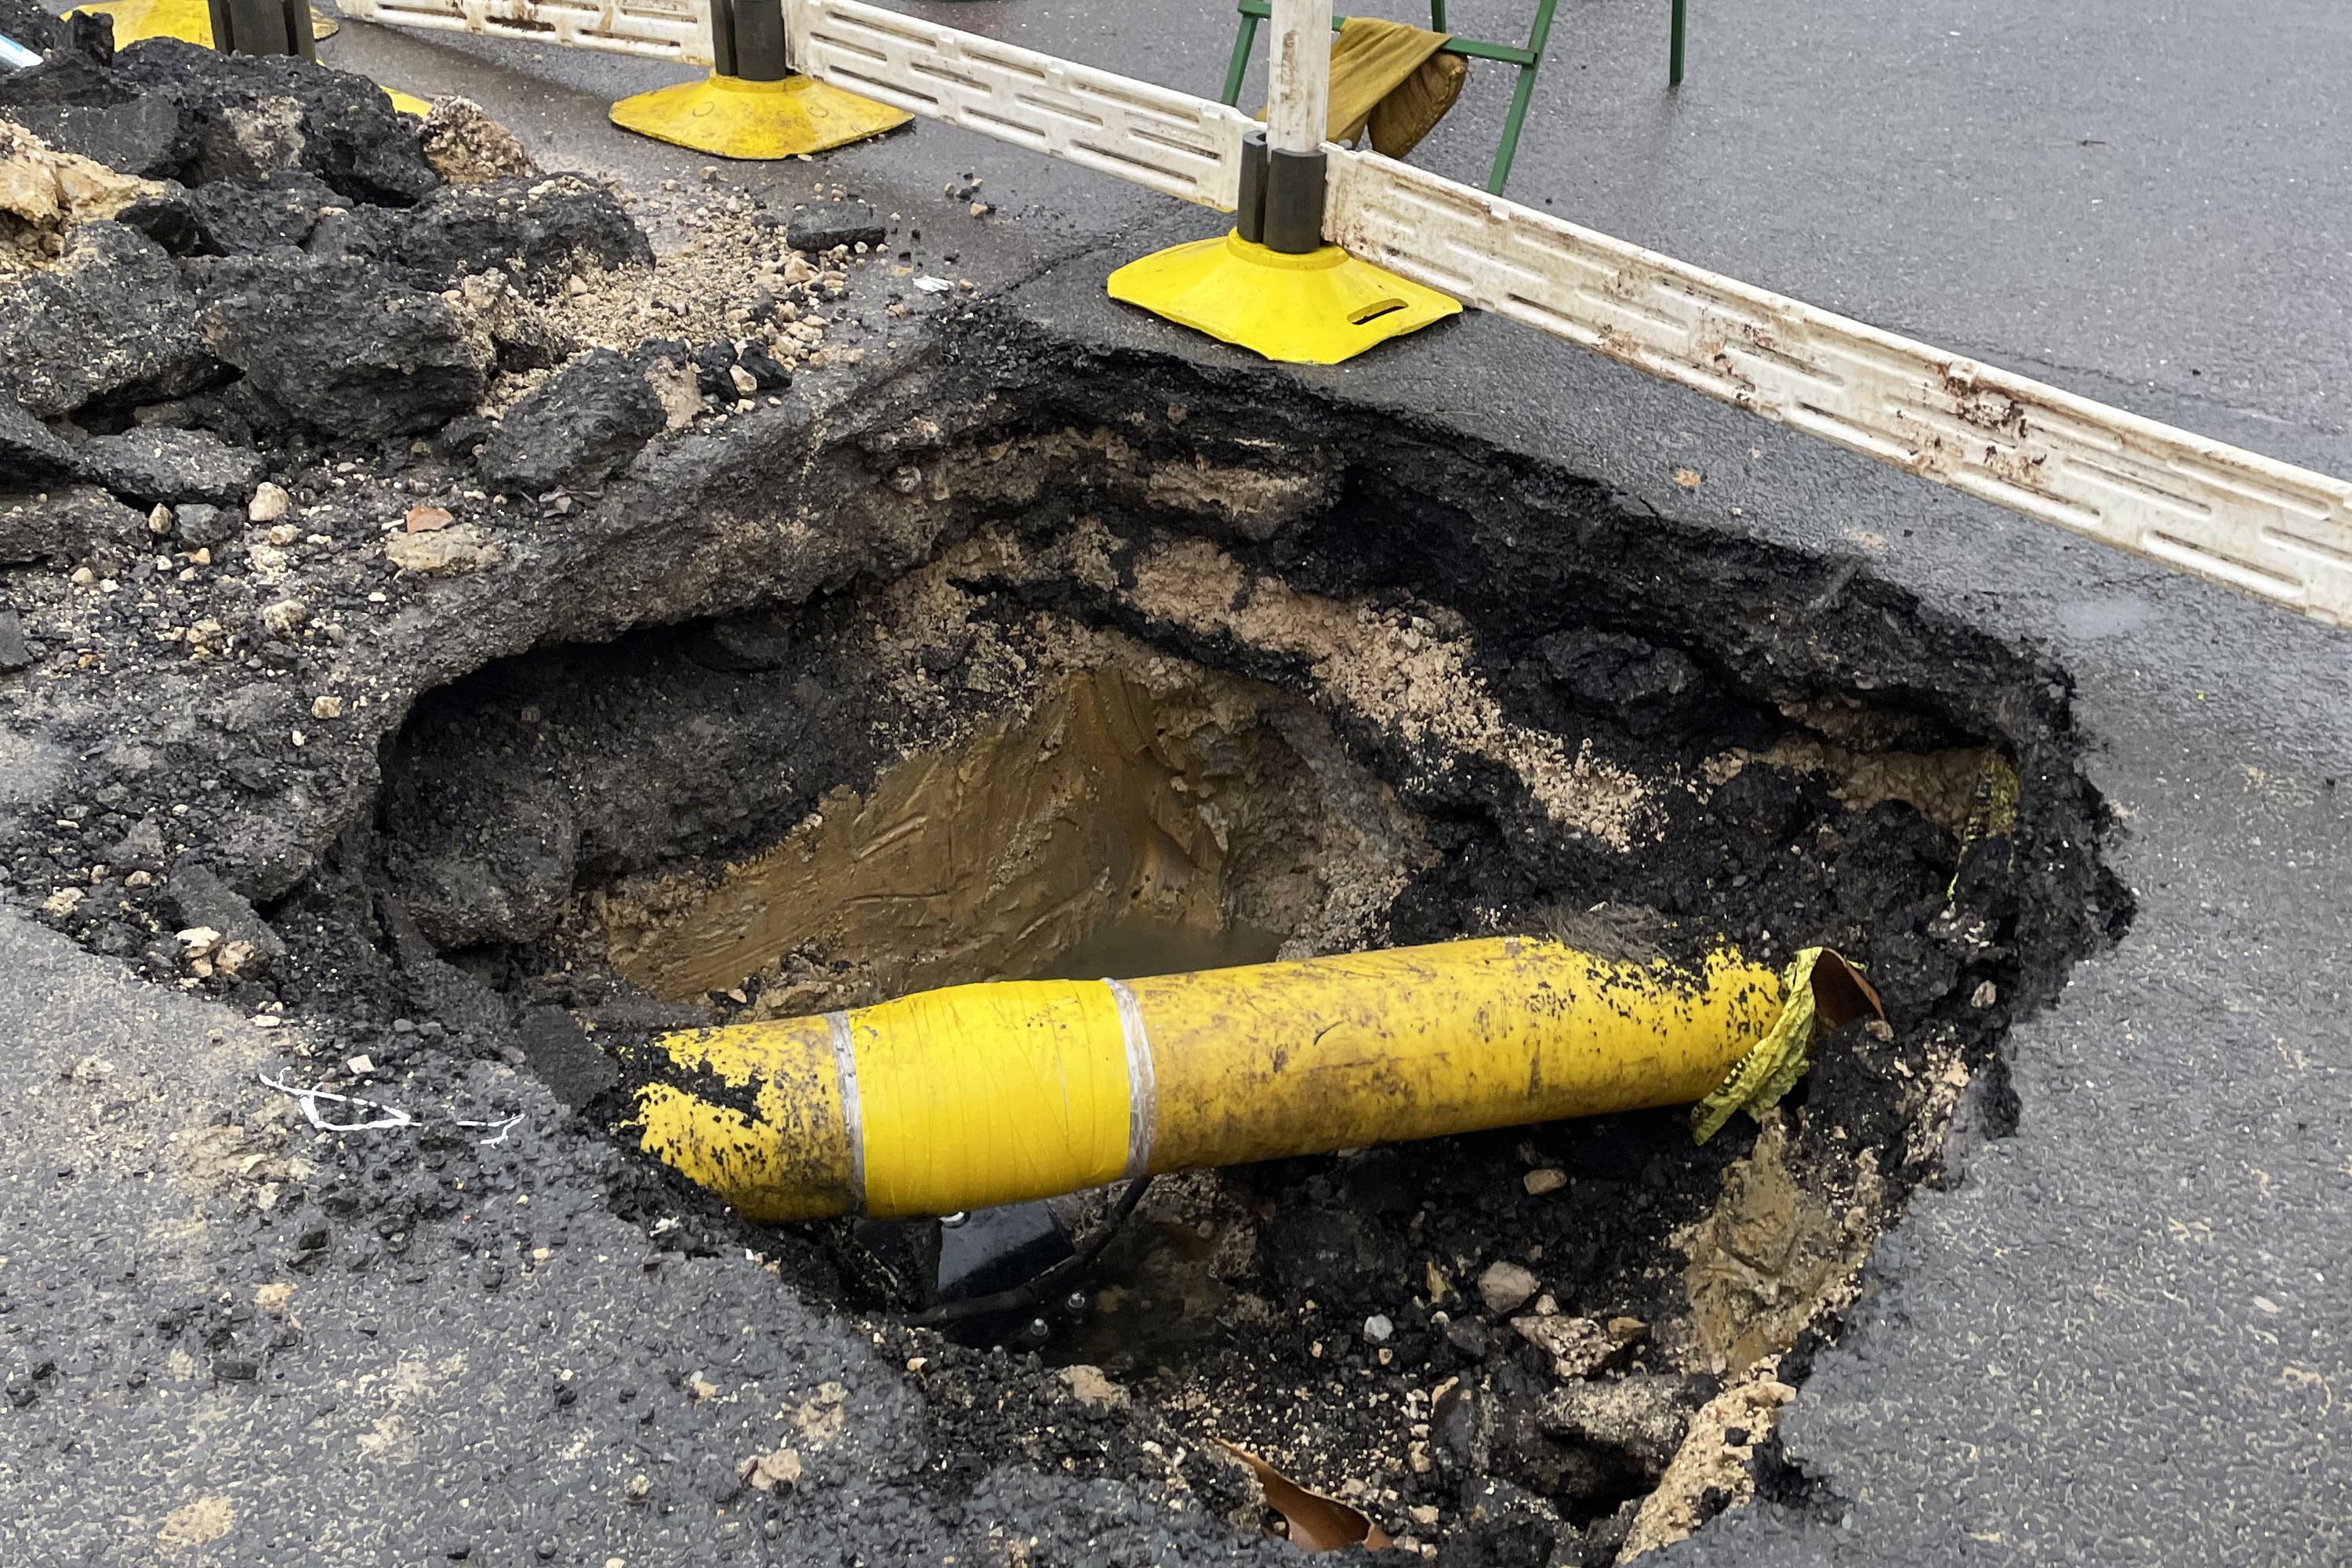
pixel 1689 478
pixel 1317 1523
pixel 427 518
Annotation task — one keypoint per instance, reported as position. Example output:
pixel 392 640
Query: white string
pixel 394 1116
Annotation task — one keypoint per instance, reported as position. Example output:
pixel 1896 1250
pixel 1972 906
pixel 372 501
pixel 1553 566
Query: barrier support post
pixel 753 105
pixel 1272 285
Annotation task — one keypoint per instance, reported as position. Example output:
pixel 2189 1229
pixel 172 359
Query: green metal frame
pixel 1528 59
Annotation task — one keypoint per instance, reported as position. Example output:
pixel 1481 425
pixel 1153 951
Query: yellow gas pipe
pixel 997 1093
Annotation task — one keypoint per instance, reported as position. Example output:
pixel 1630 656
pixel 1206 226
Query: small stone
pixel 360 1066
pixel 445 554
pixel 746 384
pixel 1505 1287
pixel 821 225
pixel 15 654
pixel 284 534
pixel 423 518
pixel 1378 1329
pixel 155 464
pixel 30 453
pixel 466 147
pixel 326 707
pixel 198 941
pixel 1641 1417
pixel 1545 1180
pixel 1984 996
pixel 285 617
pixel 766 1472
pixel 235 958
pixel 269 503
pixel 62 903
pixel 1576 1346
pixel 640 1488
pixel 203 525
pixel 1093 1388
pixel 159 521
pixel 582 425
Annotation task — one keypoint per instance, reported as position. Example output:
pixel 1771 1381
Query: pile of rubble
pixel 274 357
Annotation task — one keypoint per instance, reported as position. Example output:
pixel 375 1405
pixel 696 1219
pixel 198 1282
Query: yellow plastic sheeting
pixel 1317 308
pixel 1389 78
pixel 731 117
pixel 995 1093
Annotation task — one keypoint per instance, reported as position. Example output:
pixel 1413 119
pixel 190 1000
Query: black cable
pixel 1030 1292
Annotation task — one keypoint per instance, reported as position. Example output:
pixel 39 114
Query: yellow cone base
pixel 731 118
pixel 190 21
pixel 408 102
pixel 1316 308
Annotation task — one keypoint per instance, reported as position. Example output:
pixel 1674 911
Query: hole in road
pixel 1130 744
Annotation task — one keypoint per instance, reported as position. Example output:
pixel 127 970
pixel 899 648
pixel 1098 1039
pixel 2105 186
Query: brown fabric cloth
pixel 1389 78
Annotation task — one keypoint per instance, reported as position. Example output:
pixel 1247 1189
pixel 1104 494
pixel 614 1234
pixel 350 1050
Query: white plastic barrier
pixel 2248 521
pixel 1170 141
pixel 660 29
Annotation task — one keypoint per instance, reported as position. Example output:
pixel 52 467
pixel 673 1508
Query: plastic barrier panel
pixel 2248 521
pixel 661 29
pixel 1169 142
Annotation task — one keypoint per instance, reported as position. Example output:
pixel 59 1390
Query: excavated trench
pixel 1320 704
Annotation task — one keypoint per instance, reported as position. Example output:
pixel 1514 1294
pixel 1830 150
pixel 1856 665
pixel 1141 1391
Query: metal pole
pixel 1675 48
pixel 1298 81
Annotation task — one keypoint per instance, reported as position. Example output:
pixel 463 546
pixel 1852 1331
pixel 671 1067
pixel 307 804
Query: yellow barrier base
pixel 730 117
pixel 190 21
pixel 1316 308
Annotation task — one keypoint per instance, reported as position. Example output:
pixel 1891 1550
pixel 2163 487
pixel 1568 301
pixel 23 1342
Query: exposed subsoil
pixel 446 722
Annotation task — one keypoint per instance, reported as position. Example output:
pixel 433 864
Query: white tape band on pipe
pixel 853 1120
pixel 1142 1084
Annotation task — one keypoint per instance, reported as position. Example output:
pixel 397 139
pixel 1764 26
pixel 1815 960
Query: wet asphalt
pixel 2120 1336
